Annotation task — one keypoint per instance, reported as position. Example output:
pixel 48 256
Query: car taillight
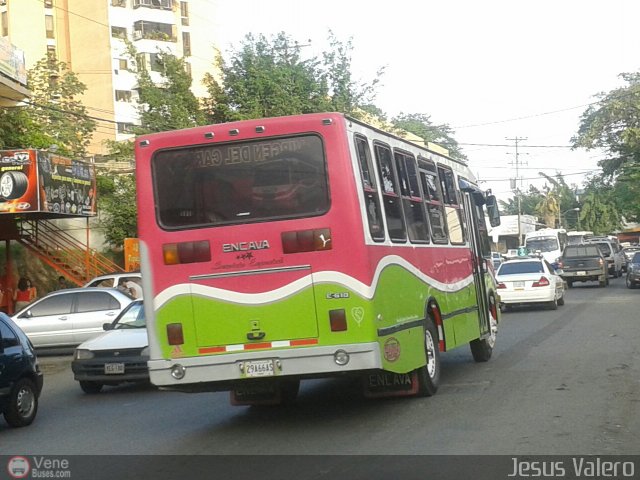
pixel 543 282
pixel 338 320
pixel 501 285
pixel 186 252
pixel 306 240
pixel 174 334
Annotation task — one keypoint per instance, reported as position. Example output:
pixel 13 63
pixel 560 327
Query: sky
pixel 492 70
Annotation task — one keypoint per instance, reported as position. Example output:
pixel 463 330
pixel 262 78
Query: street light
pixel 576 209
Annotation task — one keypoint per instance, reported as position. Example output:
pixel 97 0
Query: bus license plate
pixel 259 368
pixel 518 285
pixel 113 368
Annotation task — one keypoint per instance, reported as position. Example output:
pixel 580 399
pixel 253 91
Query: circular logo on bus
pixel 391 349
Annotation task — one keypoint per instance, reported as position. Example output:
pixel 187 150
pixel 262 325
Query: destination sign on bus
pixel 248 153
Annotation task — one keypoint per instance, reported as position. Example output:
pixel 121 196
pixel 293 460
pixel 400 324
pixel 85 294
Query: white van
pixel 550 242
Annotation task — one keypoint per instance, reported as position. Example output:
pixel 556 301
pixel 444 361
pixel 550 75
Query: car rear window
pixel 604 248
pixel 582 251
pixel 516 268
pixel 636 258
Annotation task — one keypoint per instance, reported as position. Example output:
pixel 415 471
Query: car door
pixel 12 360
pixel 93 309
pixel 47 322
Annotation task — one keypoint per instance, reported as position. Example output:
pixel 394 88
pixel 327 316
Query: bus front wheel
pixel 429 374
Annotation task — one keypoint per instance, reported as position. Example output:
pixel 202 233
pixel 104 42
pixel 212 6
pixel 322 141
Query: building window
pixel 124 127
pixel 123 96
pixel 48 3
pixel 5 24
pixel 186 44
pixel 119 3
pixel 51 53
pixel 123 64
pixel 161 4
pixel 184 13
pixel 119 32
pixel 187 68
pixel 48 22
pixel 150 61
pixel 164 32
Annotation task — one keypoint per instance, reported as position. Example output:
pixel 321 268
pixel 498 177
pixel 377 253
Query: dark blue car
pixel 20 376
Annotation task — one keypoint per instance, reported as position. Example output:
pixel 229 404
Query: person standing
pixel 33 292
pixel 22 294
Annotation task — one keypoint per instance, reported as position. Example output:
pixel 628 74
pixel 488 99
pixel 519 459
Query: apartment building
pixel 88 35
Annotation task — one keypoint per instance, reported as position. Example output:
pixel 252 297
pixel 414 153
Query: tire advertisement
pixel 39 181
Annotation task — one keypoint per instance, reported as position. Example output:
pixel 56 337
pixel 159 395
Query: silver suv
pixel 611 252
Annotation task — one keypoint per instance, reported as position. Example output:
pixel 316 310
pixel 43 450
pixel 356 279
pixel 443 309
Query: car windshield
pixel 544 244
pixel 515 268
pixel 131 317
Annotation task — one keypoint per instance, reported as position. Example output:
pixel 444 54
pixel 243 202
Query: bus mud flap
pixel 382 383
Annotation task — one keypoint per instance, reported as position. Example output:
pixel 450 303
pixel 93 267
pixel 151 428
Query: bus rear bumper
pixel 223 371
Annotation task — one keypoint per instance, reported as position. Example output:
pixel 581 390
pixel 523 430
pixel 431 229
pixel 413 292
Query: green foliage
pixel 613 124
pixel 117 205
pixel 598 211
pixel 53 114
pixel 269 78
pixel 421 125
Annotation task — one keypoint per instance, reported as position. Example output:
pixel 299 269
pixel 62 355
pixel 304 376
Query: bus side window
pixel 433 200
pixel 411 199
pixel 370 190
pixel 390 194
pixel 452 206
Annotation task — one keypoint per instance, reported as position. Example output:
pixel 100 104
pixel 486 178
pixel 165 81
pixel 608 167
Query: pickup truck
pixel 583 263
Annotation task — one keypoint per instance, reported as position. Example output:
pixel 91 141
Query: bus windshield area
pixel 544 244
pixel 240 182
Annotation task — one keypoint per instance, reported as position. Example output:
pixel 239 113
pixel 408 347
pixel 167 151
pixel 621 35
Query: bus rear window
pixel 240 182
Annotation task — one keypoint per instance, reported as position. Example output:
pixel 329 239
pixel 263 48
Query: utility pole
pixel 515 186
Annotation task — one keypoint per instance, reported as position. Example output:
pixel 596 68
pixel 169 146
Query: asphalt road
pixel 562 382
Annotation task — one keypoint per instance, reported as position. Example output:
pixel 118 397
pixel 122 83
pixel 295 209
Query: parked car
pixel 584 263
pixel 20 376
pixel 117 356
pixel 527 281
pixel 633 271
pixel 113 280
pixel 611 252
pixel 69 317
pixel 628 253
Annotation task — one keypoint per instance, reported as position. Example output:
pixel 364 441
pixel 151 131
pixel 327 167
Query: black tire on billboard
pixel 13 185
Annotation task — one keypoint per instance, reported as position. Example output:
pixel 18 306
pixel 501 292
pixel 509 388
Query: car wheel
pixel 569 284
pixel 90 387
pixel 429 374
pixel 13 185
pixel 561 300
pixel 629 282
pixel 23 404
pixel 553 305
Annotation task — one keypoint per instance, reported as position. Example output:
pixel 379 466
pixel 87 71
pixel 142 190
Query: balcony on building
pixel 164 32
pixel 158 4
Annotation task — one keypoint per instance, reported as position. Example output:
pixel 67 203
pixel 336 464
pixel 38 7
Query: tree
pixel 420 124
pixel 613 124
pixel 52 116
pixel 117 207
pixel 269 78
pixel 598 212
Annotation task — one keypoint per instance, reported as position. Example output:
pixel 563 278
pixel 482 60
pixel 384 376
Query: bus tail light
pixel 543 282
pixel 306 240
pixel 186 252
pixel 501 285
pixel 174 334
pixel 338 320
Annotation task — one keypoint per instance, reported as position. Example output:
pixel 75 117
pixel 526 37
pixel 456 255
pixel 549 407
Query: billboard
pixel 42 182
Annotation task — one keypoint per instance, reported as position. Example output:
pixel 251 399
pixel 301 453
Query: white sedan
pixel 529 280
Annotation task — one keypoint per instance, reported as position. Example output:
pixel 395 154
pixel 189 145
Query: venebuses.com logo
pixel 38 467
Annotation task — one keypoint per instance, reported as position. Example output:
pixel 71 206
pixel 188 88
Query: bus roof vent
pixel 208 135
pixel 259 129
pixel 233 132
pixel 327 121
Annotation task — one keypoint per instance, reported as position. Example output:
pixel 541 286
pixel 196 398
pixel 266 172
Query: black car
pixel 20 376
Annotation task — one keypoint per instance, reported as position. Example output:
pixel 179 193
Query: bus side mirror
pixel 492 211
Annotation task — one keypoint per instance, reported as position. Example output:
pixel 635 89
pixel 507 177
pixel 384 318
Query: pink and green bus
pixel 282 249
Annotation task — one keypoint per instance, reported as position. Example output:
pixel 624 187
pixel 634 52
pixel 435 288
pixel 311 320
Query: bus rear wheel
pixel 482 348
pixel 429 375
